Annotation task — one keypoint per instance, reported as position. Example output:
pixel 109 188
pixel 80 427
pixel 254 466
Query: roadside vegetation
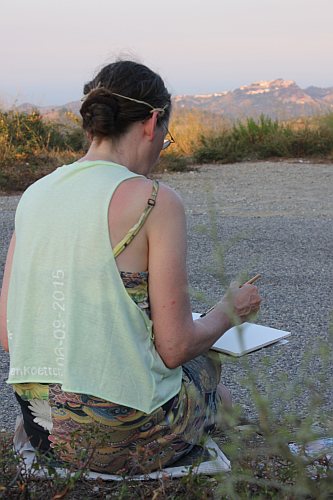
pixel 203 137
pixel 31 147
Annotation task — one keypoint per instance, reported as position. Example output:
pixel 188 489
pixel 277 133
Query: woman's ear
pixel 90 139
pixel 150 125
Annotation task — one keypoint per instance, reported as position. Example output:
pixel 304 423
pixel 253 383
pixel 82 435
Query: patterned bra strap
pixel 135 229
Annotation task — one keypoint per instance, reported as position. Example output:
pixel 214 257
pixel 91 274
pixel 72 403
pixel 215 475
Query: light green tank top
pixel 70 319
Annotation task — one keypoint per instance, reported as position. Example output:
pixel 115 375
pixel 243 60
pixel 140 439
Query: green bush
pixel 265 139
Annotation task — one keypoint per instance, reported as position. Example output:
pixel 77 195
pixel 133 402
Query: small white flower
pixel 42 411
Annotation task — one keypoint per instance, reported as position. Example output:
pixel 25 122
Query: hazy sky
pixel 49 49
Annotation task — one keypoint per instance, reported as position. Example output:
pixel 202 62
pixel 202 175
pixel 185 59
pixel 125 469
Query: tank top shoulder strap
pixel 136 228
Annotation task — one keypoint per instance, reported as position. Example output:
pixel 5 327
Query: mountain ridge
pixel 276 98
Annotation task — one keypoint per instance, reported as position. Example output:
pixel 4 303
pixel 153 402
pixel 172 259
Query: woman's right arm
pixel 177 337
pixel 4 295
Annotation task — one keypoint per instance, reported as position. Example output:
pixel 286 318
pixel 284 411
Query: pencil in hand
pixel 252 280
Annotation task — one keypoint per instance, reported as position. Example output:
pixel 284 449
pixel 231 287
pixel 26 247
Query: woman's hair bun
pixel 99 112
pixel 99 99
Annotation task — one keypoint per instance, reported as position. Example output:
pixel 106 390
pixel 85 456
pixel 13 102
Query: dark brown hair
pixel 106 114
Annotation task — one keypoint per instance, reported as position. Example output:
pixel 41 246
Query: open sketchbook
pixel 251 338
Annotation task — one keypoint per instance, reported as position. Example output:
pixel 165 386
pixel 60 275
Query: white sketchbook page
pixel 252 337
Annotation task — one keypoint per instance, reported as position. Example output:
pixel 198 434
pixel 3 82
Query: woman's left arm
pixel 4 295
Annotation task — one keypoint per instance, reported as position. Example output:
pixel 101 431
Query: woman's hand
pixel 240 301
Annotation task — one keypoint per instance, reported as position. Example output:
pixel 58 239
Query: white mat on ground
pixel 214 461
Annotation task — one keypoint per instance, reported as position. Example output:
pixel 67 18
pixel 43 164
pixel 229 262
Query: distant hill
pixel 53 112
pixel 319 93
pixel 276 98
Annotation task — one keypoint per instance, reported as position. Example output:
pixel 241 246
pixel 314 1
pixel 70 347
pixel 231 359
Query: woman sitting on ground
pixel 88 344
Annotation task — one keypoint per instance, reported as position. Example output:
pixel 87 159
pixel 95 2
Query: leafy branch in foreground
pixel 273 469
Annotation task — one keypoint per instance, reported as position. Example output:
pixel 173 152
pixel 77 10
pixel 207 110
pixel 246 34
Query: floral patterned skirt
pixel 123 439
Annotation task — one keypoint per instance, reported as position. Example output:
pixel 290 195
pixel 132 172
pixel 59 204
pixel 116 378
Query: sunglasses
pixel 167 142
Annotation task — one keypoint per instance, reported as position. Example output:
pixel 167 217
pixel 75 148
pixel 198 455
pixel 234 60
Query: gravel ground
pixel 286 208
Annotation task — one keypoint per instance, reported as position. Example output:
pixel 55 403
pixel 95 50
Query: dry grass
pixel 31 147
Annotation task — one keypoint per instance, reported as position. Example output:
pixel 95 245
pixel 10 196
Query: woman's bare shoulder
pixel 142 185
pixel 168 198
pixel 169 195
pixel 169 207
pixel 139 190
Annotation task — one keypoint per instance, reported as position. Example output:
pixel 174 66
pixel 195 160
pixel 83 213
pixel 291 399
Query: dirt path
pixel 259 189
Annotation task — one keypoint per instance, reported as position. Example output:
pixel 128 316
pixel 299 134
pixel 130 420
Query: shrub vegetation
pixel 31 147
pixel 264 139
